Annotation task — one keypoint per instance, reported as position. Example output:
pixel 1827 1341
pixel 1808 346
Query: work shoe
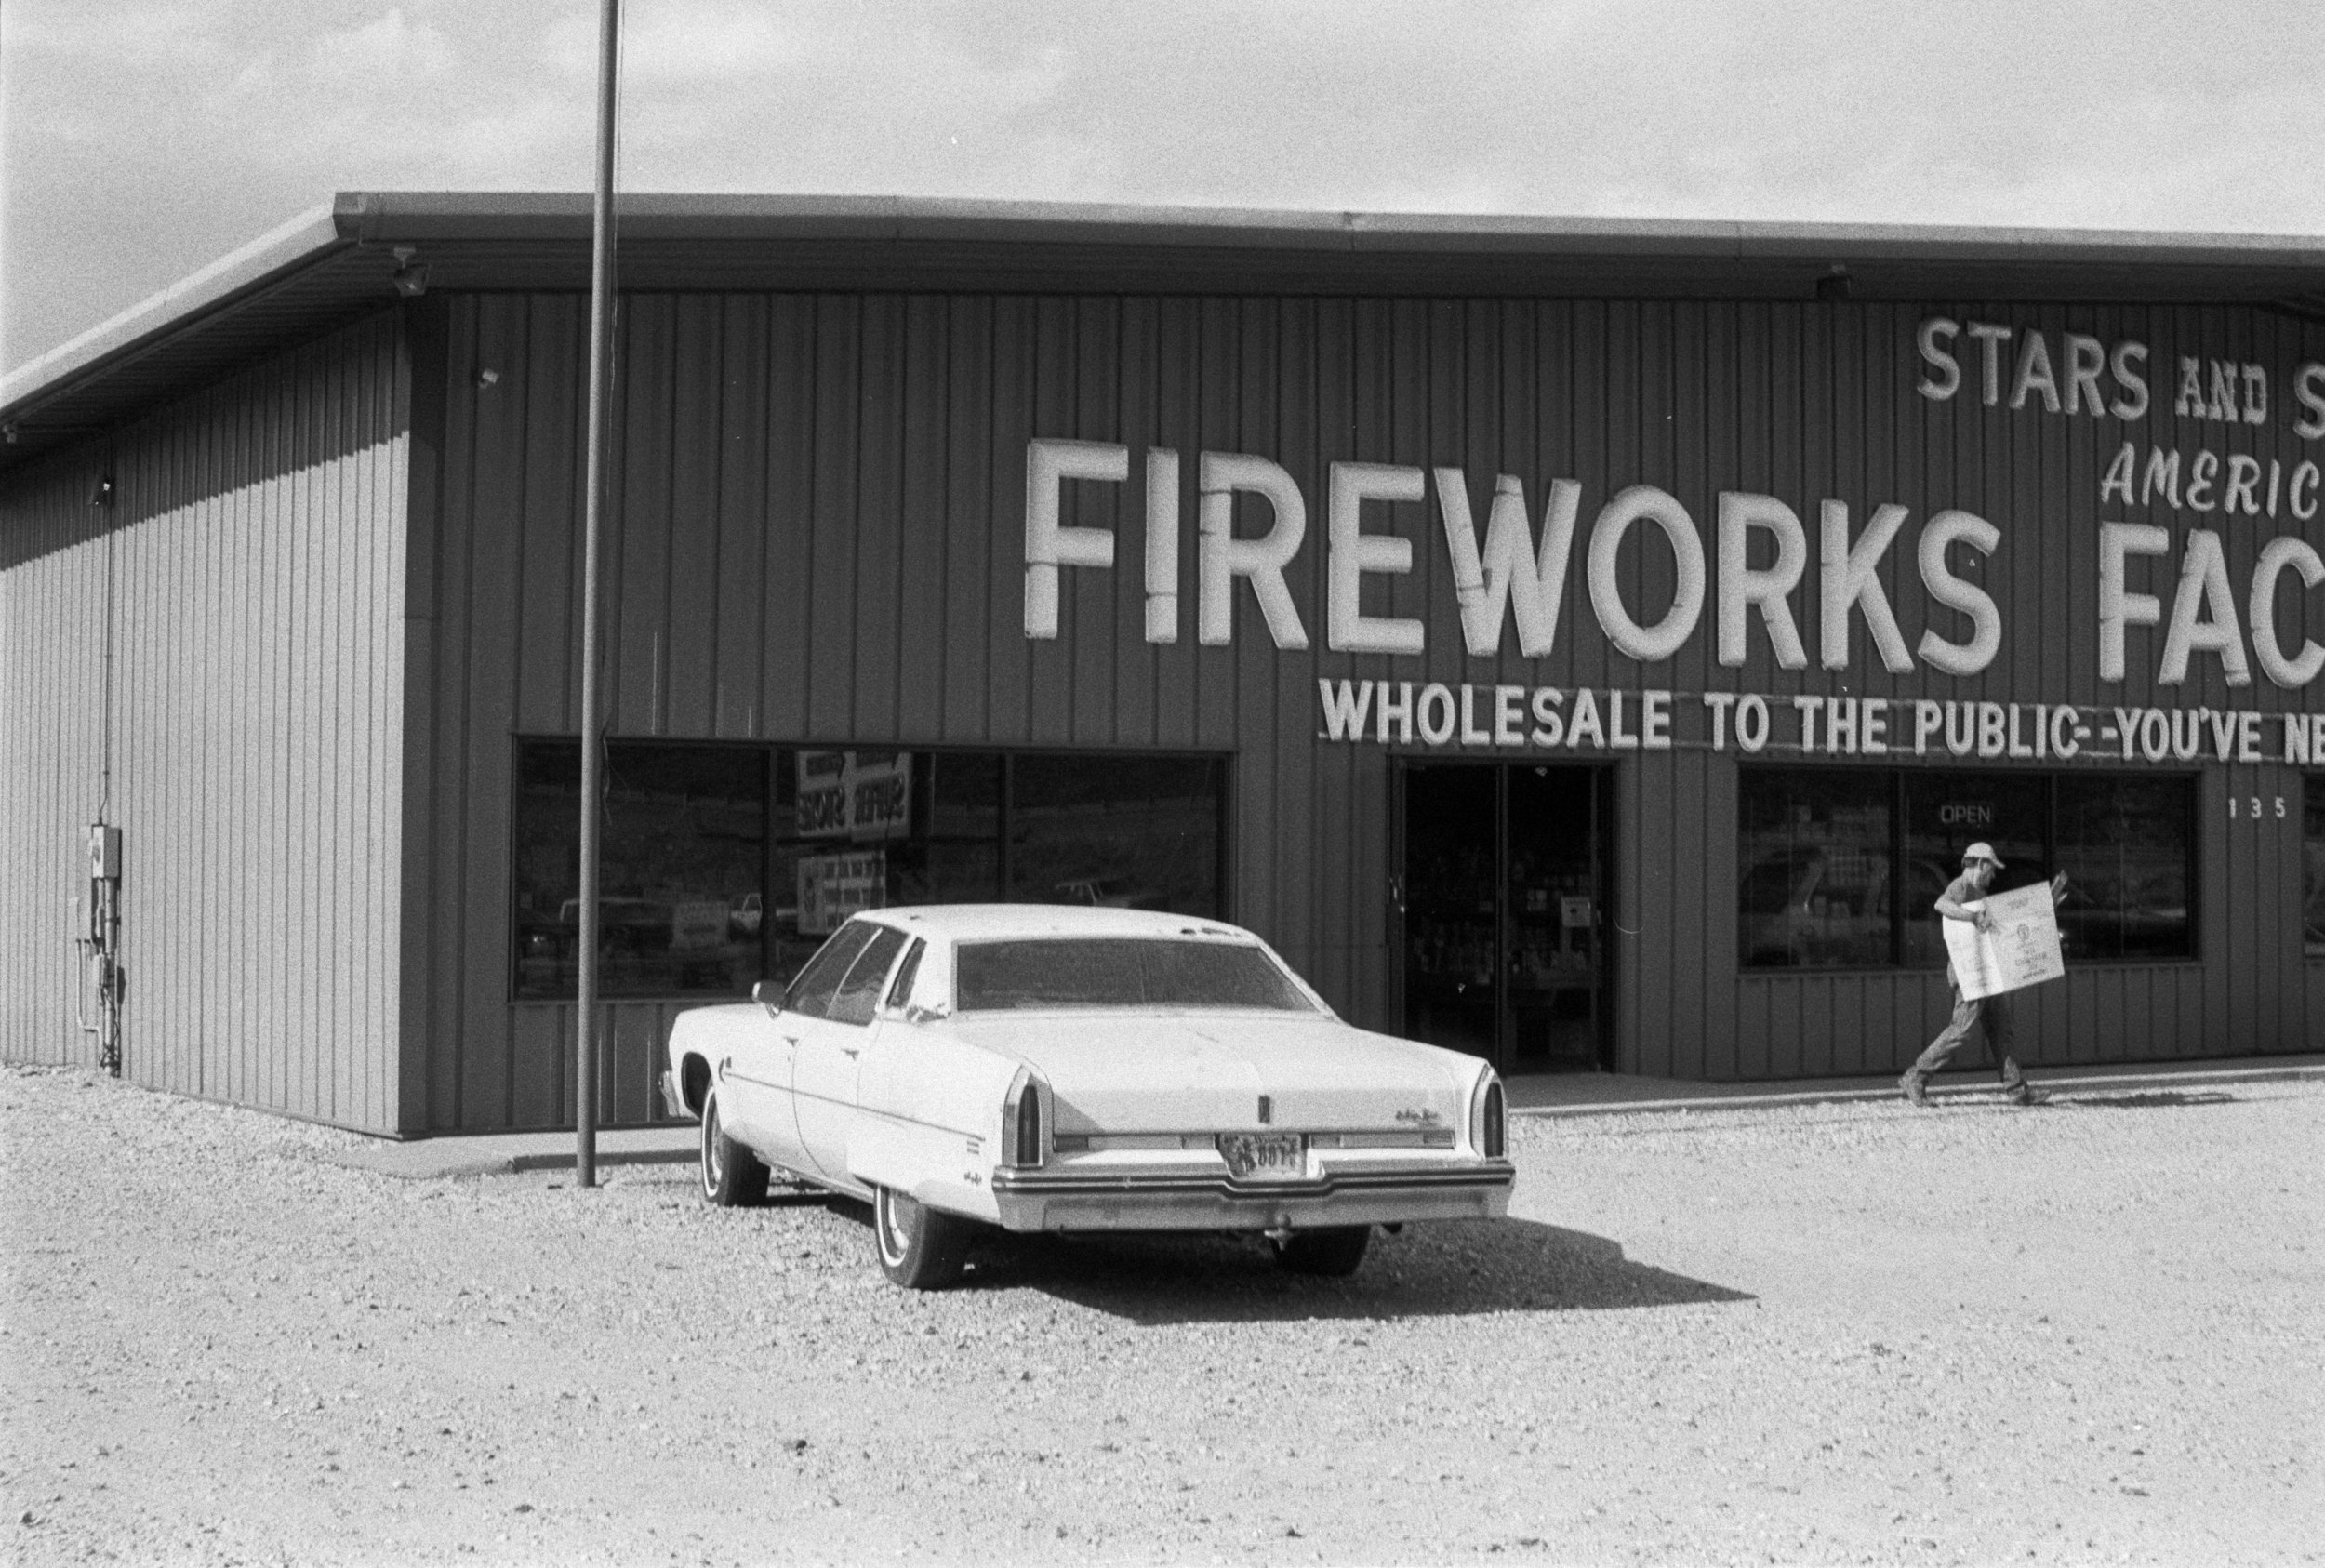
pixel 2024 1093
pixel 1913 1084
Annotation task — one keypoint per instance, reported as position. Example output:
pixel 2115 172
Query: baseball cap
pixel 1981 851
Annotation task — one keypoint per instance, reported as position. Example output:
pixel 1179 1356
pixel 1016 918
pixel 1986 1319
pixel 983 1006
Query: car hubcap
pixel 895 1226
pixel 712 1171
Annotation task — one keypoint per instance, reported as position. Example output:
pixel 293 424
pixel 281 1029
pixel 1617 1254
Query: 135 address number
pixel 2250 806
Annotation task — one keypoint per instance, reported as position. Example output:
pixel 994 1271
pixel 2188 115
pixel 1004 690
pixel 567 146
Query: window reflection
pixel 1129 832
pixel 683 856
pixel 2123 845
pixel 727 864
pixel 1840 868
pixel 2313 866
pixel 1946 813
pixel 1816 856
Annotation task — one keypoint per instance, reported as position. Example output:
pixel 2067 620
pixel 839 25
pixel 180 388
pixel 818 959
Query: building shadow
pixel 1452 1268
pixel 2158 1099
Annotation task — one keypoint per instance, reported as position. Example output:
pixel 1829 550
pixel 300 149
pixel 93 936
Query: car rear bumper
pixel 1053 1200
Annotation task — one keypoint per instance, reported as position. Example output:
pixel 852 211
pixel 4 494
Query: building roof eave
pixel 340 260
pixel 289 247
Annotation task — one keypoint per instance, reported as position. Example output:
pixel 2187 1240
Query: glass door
pixel 1451 906
pixel 1503 902
pixel 1555 968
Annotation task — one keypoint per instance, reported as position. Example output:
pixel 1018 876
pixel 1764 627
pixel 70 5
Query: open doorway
pixel 1504 900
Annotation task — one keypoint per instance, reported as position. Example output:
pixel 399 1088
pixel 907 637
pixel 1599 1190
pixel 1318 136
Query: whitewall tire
pixel 921 1248
pixel 732 1175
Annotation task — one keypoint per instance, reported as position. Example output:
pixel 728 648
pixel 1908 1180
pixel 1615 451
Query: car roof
pixel 977 922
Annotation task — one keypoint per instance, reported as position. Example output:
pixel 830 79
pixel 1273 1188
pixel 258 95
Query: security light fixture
pixel 102 493
pixel 1834 286
pixel 411 274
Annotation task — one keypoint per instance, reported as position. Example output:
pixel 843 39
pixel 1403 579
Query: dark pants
pixel 1968 1011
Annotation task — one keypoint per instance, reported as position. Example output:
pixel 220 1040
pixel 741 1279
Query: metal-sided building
pixel 1591 644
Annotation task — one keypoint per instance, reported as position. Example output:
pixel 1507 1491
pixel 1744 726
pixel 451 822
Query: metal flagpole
pixel 593 513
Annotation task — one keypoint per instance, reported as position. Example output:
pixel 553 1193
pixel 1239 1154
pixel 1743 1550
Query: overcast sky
pixel 144 139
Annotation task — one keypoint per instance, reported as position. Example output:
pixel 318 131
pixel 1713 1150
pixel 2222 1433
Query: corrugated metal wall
pixel 52 615
pixel 821 539
pixel 255 554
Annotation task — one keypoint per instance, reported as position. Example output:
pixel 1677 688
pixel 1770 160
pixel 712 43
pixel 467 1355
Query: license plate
pixel 1264 1156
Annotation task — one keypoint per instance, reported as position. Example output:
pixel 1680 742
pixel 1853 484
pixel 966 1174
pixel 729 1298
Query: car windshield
pixel 1121 972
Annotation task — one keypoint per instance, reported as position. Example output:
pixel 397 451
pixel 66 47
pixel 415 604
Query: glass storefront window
pixel 1820 883
pixel 2124 845
pixel 788 842
pixel 2313 865
pixel 1816 858
pixel 681 873
pixel 1131 833
pixel 862 830
pixel 1946 813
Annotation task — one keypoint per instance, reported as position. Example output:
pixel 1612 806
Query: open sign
pixel 1967 814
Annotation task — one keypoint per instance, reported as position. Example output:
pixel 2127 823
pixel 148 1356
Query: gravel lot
pixel 2087 1332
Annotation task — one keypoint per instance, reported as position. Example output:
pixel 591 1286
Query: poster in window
pixel 832 887
pixel 864 797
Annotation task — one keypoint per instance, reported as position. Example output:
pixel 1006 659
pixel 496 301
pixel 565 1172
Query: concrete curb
pixel 2057 1088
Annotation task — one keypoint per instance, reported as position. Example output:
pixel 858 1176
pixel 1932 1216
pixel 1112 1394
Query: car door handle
pixel 851 1050
pixel 792 1041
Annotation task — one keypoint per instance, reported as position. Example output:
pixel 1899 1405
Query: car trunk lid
pixel 1209 1073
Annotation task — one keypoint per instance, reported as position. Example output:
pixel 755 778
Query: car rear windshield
pixel 1121 972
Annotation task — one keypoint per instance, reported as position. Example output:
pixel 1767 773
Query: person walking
pixel 1961 901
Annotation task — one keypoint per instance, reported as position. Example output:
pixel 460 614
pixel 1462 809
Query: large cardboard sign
pixel 832 887
pixel 2021 950
pixel 861 796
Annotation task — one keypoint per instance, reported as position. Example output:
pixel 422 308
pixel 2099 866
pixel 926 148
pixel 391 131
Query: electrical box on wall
pixel 104 853
pixel 100 941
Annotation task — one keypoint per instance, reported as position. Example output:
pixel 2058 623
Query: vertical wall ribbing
pixel 255 744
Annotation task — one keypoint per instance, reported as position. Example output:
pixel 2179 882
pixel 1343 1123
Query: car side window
pixel 852 1002
pixel 900 989
pixel 811 994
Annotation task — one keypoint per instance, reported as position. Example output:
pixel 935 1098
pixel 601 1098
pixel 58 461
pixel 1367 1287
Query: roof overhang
pixel 340 260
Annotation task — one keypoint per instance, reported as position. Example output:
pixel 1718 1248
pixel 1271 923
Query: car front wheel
pixel 1333 1252
pixel 921 1248
pixel 732 1175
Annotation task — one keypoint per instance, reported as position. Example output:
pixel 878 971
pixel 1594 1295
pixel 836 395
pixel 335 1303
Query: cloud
pixel 689 44
pixel 219 117
pixel 389 48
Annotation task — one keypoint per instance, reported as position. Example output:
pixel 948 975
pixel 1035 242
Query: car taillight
pixel 1492 1130
pixel 1021 1120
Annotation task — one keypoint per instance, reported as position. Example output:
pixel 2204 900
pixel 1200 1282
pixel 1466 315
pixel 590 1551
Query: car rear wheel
pixel 1333 1252
pixel 732 1175
pixel 921 1248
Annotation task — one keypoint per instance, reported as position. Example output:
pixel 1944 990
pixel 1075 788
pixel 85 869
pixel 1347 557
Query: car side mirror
pixel 767 994
pixel 916 1013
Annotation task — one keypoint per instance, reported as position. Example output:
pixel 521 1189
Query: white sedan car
pixel 1040 1067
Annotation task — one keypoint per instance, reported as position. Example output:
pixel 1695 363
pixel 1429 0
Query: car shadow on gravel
pixel 1445 1269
